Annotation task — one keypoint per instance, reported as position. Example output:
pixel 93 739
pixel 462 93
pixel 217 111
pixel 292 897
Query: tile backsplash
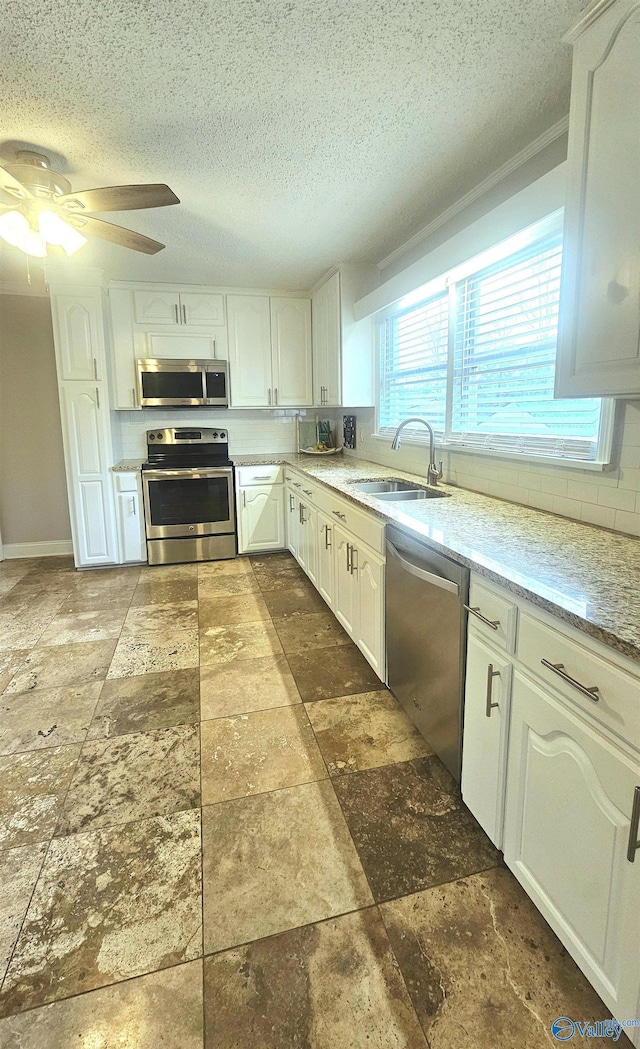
pixel 249 431
pixel 610 498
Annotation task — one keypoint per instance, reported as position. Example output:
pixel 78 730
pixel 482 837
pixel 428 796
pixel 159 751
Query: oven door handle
pixel 207 471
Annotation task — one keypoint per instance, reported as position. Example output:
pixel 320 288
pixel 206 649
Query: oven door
pixel 188 502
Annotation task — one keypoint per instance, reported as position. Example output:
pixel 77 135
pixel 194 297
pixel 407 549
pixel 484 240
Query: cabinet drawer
pixel 250 475
pixel 127 481
pixel 361 524
pixel 618 704
pixel 495 609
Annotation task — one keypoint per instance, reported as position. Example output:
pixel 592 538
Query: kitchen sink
pixel 397 491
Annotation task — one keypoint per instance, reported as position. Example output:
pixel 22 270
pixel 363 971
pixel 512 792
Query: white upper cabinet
pixel 250 377
pixel 291 352
pixel 269 351
pixel 342 346
pixel 79 334
pixel 599 338
pixel 178 309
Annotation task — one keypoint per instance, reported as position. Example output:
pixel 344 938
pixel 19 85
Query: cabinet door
pixel 324 581
pixel 327 343
pixel 599 343
pixel 249 323
pixel 203 308
pixel 567 820
pixel 291 350
pixel 368 574
pixel 157 307
pixel 345 582
pixel 261 518
pixel 124 394
pixel 309 521
pixel 484 741
pixel 87 440
pixel 79 334
pixel 133 545
pixel 292 516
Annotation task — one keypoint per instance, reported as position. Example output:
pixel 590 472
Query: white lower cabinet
pixel 550 769
pixel 345 599
pixel 486 725
pixel 308 539
pixel 368 571
pixel 325 578
pixel 87 441
pixel 130 517
pixel 261 524
pixel 292 516
pixel 567 827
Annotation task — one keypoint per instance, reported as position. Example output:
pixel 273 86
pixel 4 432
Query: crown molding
pixel 538 144
pixel 587 18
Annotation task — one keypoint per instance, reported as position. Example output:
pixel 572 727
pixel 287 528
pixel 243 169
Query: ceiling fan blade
pixel 11 186
pixel 119 198
pixel 126 238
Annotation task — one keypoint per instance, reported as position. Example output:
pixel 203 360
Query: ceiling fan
pixel 41 209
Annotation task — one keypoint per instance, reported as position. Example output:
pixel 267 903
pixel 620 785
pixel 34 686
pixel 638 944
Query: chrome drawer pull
pixel 558 668
pixel 634 841
pixel 491 673
pixel 343 517
pixel 306 491
pixel 493 623
pixel 327 541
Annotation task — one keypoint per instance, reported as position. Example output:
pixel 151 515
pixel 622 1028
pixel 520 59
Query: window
pixel 477 359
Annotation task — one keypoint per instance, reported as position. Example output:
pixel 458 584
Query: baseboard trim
pixel 51 548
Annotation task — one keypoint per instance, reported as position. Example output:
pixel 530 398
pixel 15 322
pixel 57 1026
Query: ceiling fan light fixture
pixel 15 230
pixel 56 231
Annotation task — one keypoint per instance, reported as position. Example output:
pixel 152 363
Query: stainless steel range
pixel 189 505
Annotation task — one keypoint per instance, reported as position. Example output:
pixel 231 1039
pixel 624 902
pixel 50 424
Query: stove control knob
pixel 223 435
pixel 159 436
pixel 214 434
pixel 152 436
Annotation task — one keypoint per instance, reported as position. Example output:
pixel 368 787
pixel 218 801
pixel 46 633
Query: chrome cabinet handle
pixel 307 492
pixel 97 398
pixel 558 668
pixel 177 313
pixel 634 841
pixel 244 500
pixel 261 477
pixel 493 623
pixel 134 512
pixel 292 503
pixel 275 395
pixel 327 543
pixel 95 368
pixel 269 395
pixel 296 484
pixel 354 565
pixel 184 313
pixel 133 397
pixel 491 673
pixel 343 517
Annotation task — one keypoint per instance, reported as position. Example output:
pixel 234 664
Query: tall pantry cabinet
pixel 78 314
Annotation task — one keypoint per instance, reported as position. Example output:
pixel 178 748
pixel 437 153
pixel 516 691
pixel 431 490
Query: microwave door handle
pixel 203 376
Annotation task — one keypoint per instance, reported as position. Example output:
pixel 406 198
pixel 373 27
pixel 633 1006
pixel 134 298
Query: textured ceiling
pixel 297 133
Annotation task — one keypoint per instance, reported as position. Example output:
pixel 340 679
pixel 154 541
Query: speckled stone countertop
pixel 588 576
pixel 128 466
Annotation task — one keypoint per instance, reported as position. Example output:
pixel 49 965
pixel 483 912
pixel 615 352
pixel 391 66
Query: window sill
pixel 492 453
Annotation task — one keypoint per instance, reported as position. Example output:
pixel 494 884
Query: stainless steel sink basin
pixel 397 491
pixel 374 487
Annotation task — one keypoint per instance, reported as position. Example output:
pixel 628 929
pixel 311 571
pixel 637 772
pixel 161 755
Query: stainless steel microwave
pixel 166 383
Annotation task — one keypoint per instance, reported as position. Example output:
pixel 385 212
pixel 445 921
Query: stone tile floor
pixel 218 829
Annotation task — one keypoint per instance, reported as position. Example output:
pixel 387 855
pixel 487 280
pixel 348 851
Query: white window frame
pixel 448 281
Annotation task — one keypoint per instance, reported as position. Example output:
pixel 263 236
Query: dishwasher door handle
pixel 420 573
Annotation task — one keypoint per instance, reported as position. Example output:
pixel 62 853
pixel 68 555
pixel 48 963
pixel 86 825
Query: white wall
pixel 610 499
pixel 249 431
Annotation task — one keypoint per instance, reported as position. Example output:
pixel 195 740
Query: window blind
pixel 478 361
pixel 504 352
pixel 414 355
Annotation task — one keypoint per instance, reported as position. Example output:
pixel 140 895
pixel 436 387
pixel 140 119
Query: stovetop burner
pixel 174 448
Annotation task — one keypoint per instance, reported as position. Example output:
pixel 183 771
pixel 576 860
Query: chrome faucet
pixel 434 473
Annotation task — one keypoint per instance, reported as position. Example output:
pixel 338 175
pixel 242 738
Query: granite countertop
pixel 128 466
pixel 588 576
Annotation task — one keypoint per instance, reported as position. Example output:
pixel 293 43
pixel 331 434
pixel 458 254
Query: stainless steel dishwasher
pixel 426 633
